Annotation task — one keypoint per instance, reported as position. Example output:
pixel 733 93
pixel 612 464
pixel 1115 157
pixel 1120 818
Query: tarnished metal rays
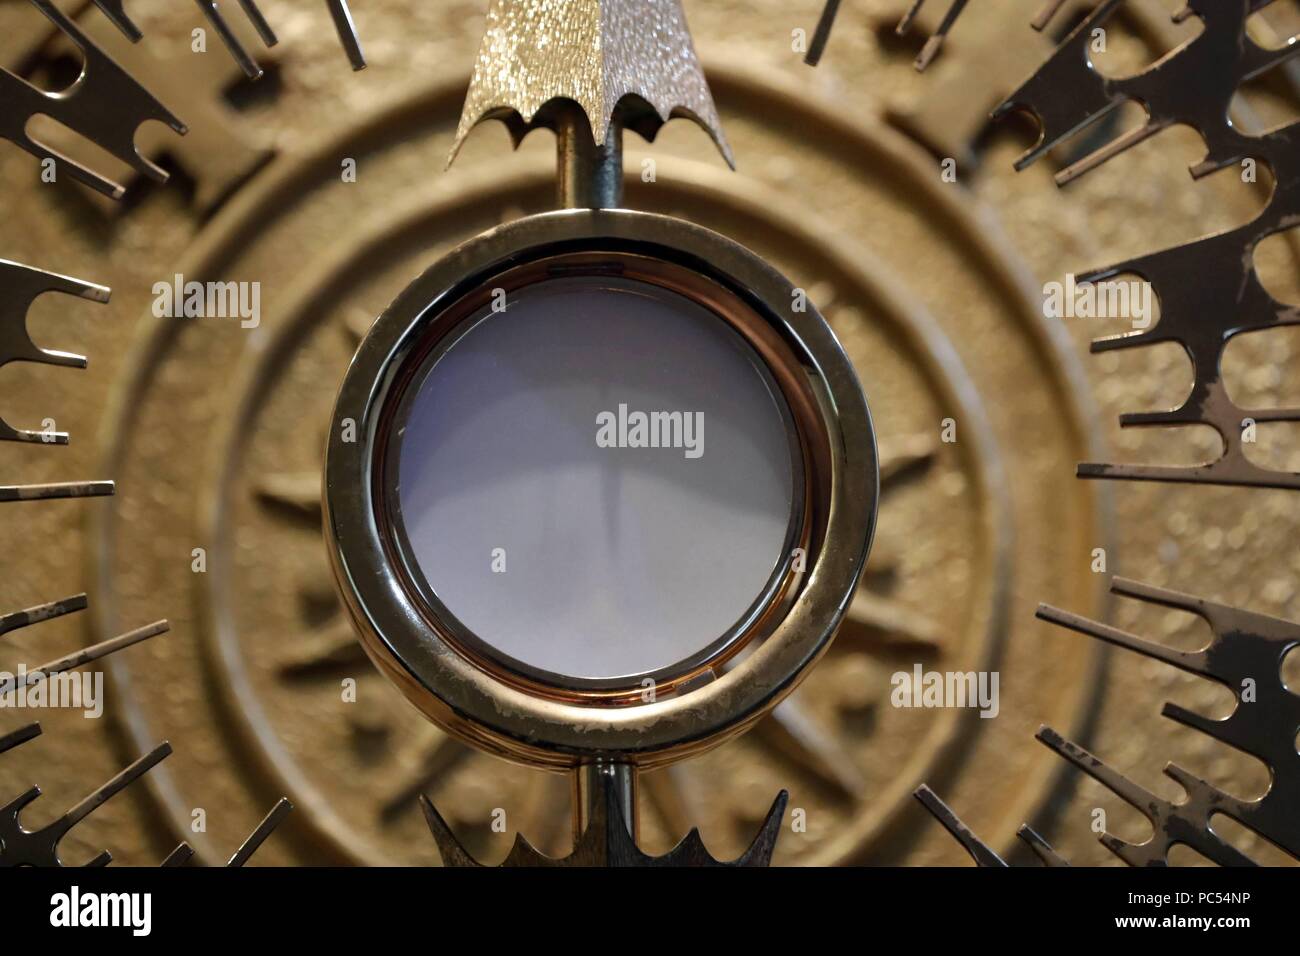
pixel 607 840
pixel 1208 290
pixel 20 846
pixel 184 853
pixel 116 13
pixel 1245 655
pixel 19 287
pixel 980 852
pixel 219 23
pixel 105 105
pixel 339 13
pixel 933 45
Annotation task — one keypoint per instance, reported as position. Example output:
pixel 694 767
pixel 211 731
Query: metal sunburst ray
pixel 1209 290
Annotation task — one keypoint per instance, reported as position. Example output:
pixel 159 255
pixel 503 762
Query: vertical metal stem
pixel 591 783
pixel 589 176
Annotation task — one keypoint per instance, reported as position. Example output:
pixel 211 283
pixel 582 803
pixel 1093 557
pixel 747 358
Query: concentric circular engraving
pixel 277 649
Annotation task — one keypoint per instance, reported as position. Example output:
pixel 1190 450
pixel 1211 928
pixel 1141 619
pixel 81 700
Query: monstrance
pixel 600 483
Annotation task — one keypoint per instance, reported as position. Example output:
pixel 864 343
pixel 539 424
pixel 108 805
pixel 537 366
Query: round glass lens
pixel 598 481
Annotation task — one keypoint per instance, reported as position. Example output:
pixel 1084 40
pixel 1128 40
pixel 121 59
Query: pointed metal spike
pixel 1187 660
pixel 1120 144
pixel 116 14
pixel 55 357
pixel 524 854
pixel 42 612
pixel 1125 340
pixel 20 286
pixel 35 438
pixel 763 846
pixel 929 52
pixel 347 32
pixel 1124 851
pixel 1113 780
pixel 689 847
pixel 936 41
pixel 822 34
pixel 102 794
pixel 87 176
pixel 20 802
pixel 1274 414
pixel 259 835
pixel 980 852
pixel 256 18
pixel 69 489
pixel 449 848
pixel 19 737
pixel 1045 16
pixel 1129 587
pixel 1042 849
pixel 1226 471
pixel 1148 419
pixel 1206 725
pixel 228 37
pixel 94 652
pixel 905 24
pixel 179 856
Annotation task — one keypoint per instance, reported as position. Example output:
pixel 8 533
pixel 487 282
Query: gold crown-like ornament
pixel 625 63
pixel 605 832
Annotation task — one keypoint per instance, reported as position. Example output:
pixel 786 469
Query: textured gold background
pixel 1232 545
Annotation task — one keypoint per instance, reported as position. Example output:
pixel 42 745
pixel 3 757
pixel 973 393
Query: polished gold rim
pixel 775 363
pixel 438 664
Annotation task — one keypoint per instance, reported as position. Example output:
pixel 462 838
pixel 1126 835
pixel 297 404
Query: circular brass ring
pixel 533 718
pixel 753 339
